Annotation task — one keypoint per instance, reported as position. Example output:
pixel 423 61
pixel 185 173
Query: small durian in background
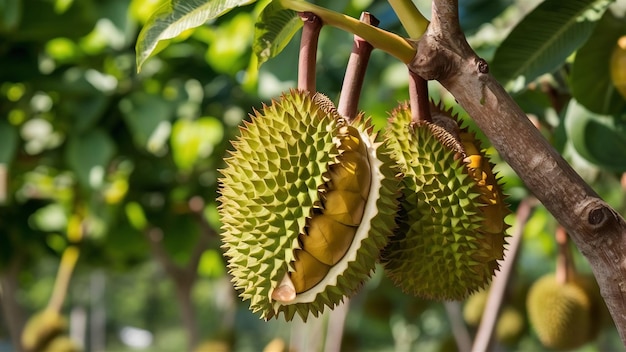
pixel 451 230
pixel 474 307
pixel 41 329
pixel 510 326
pixel 560 313
pixel 307 203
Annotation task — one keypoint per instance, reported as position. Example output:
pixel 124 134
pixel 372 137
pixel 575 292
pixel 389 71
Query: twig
pixel 564 264
pixel 498 286
pixel 355 72
pixel 459 330
pixel 308 51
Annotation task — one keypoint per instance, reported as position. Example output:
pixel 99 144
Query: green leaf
pixel 8 142
pixel 591 78
pixel 599 139
pixel 544 39
pixel 192 140
pixel 10 14
pixel 147 116
pixel 177 16
pixel 274 29
pixel 136 216
pixel 88 154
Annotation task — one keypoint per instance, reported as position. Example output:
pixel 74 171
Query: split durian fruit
pixel 451 229
pixel 307 203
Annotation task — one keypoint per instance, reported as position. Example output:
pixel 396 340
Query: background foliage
pixel 134 158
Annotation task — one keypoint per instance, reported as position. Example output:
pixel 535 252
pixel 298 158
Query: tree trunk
pixel 598 231
pixel 12 311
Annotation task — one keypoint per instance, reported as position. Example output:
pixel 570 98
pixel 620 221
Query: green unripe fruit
pixel 474 307
pixel 451 219
pixel 62 344
pixel 307 203
pixel 559 313
pixel 618 66
pixel 41 328
pixel 510 325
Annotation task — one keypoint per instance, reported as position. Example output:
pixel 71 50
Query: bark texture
pixel 598 231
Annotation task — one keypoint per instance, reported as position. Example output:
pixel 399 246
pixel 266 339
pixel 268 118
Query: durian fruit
pixel 617 66
pixel 451 220
pixel 560 313
pixel 510 325
pixel 307 203
pixel 62 343
pixel 474 307
pixel 41 329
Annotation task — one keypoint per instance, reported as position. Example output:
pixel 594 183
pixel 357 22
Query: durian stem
pixel 565 268
pixel 355 72
pixel 418 97
pixel 308 51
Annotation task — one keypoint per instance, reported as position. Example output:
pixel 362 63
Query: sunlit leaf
pixel 192 140
pixel 176 16
pixel 274 29
pixel 230 44
pixel 136 216
pixel 590 80
pixel 88 154
pixel 211 264
pixel 542 41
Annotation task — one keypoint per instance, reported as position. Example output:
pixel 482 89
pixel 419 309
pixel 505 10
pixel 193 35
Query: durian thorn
pixel 418 98
pixel 565 269
pixel 355 72
pixel 286 291
pixel 308 51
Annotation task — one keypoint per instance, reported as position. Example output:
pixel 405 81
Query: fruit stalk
pixel 418 98
pixel 564 264
pixel 308 51
pixel 355 72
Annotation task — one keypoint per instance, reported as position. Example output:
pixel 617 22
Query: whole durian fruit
pixel 451 219
pixel 560 313
pixel 41 328
pixel 307 203
pixel 510 325
pixel 474 307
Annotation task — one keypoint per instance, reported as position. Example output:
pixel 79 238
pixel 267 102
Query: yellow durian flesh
pixel 327 239
pixel 308 271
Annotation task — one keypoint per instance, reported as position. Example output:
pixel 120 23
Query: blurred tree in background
pixel 124 166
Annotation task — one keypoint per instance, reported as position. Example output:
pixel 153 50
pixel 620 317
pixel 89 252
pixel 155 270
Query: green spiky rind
pixel 268 189
pixel 438 251
pixel 559 313
pixel 381 226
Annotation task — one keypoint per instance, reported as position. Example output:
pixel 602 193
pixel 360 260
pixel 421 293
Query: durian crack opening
pixel 370 210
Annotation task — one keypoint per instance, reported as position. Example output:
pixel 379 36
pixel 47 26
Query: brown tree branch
pixel 598 231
